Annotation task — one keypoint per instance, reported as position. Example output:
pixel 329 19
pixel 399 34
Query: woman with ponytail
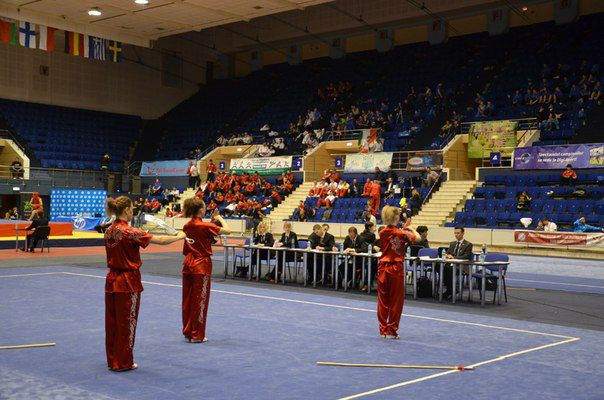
pixel 197 267
pixel 123 285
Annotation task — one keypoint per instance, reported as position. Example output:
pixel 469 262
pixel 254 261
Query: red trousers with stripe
pixel 374 202
pixel 121 316
pixel 195 300
pixel 391 296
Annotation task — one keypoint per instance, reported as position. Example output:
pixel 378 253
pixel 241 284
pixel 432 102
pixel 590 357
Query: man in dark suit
pixel 38 219
pixel 355 189
pixel 459 249
pixel 322 240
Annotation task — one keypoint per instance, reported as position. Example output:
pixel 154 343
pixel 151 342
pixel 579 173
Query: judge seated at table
pixel 264 239
pixel 459 249
pixel 104 224
pixel 321 240
pixel 288 240
pixel 38 219
pixel 353 244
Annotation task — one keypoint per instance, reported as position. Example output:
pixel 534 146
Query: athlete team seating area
pixel 495 204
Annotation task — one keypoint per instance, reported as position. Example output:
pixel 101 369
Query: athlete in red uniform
pixel 374 194
pixel 123 285
pixel 391 271
pixel 197 268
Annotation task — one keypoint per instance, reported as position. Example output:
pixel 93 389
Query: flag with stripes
pixel 97 48
pixel 27 35
pixel 8 31
pixel 47 38
pixel 77 44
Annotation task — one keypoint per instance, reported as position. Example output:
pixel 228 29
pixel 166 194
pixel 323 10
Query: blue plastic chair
pixel 491 274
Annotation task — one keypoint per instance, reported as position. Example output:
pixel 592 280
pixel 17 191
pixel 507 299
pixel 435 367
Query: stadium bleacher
pixel 72 138
pixel 495 203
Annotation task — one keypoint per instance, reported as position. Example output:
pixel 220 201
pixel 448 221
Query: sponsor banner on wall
pixel 558 238
pixel 367 162
pixel 557 157
pixel 422 160
pixel 492 136
pixel 165 168
pixel 262 165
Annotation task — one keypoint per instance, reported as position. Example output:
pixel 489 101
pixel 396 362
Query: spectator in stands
pixel 327 201
pixel 415 202
pixel 193 174
pixel 157 189
pixel 155 205
pixel 211 171
pixel 524 202
pixel 580 226
pixel 459 249
pixel 517 99
pixel 16 169
pixel 367 214
pixel 391 189
pixel 552 122
pixel 343 188
pixel 222 141
pixel 105 162
pixel 548 226
pixel 422 230
pixel 173 195
pixel 264 150
pixel 300 212
pixel 379 175
pixel 431 177
pixel 275 198
pixel 367 188
pixel 596 92
pixel 569 176
pixel 446 128
pixel 355 189
pixel 13 214
pixel 230 209
pixel 211 207
pixel 489 109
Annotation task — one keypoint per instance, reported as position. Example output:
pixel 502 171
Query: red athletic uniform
pixel 375 193
pixel 391 278
pixel 123 289
pixel 196 277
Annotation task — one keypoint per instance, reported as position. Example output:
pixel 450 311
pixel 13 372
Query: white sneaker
pixel 197 340
pixel 395 337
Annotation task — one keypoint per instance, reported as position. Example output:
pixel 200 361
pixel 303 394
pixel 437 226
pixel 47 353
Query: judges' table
pixel 7 228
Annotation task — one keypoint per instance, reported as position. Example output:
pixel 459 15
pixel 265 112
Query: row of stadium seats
pixel 540 179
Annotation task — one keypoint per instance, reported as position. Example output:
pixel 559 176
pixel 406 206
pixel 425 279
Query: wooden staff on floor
pixel 27 346
pixel 450 367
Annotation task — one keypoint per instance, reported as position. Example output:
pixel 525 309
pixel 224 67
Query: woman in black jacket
pixel 262 238
pixel 289 240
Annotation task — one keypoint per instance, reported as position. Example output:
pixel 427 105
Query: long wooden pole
pixel 27 346
pixel 338 364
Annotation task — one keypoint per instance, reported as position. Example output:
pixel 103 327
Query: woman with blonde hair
pixel 123 284
pixel 391 271
pixel 197 267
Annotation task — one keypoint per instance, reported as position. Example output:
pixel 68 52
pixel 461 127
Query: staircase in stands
pixel 289 204
pixel 444 203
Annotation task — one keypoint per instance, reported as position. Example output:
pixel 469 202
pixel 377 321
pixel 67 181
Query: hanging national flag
pixel 47 38
pixel 8 31
pixel 27 35
pixel 76 44
pixel 96 48
pixel 115 51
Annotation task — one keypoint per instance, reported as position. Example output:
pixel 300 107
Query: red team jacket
pixel 197 255
pixel 393 244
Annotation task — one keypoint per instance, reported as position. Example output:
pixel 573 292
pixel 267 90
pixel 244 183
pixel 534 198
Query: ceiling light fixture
pixel 142 2
pixel 525 8
pixel 95 11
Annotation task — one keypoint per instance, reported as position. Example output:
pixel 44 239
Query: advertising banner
pixel 165 168
pixel 421 160
pixel 262 165
pixel 367 162
pixel 558 238
pixel 492 136
pixel 557 157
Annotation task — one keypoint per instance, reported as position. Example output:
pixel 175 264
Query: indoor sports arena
pixel 301 199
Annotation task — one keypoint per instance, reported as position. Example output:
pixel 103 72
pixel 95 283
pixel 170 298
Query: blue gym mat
pixel 264 345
